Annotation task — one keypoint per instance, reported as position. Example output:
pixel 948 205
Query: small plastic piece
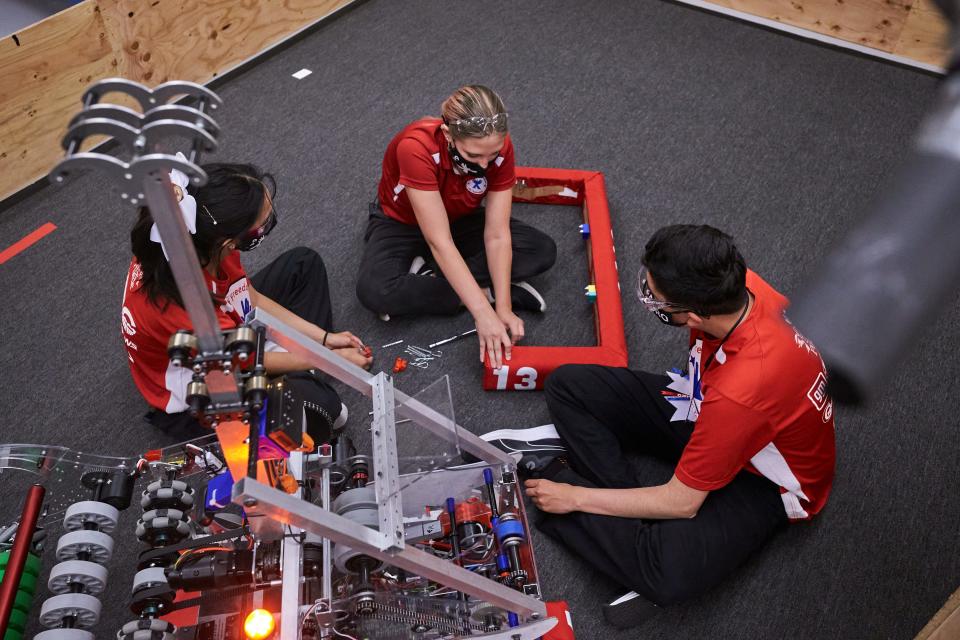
pixel 399 365
pixel 585 230
pixel 591 292
pixel 367 351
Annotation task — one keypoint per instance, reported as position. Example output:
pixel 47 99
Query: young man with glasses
pixel 749 430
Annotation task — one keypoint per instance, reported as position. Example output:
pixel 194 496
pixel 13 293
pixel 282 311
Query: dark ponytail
pixel 228 205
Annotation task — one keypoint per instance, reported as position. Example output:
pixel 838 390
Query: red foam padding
pixel 564 629
pixel 529 367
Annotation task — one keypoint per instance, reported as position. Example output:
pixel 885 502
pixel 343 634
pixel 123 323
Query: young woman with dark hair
pixel 431 245
pixel 233 212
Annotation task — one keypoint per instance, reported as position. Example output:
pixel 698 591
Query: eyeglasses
pixel 253 238
pixel 480 124
pixel 652 304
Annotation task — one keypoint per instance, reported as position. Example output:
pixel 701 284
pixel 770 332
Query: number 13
pixel 528 377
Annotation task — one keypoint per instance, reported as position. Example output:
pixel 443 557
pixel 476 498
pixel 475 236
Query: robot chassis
pixel 338 544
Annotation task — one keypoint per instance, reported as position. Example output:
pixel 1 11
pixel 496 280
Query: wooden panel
pixel 43 78
pixel 46 67
pixel 909 28
pixel 945 625
pixel 925 36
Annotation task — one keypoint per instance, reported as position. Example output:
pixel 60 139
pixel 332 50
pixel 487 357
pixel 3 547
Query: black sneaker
pixel 421 267
pixel 537 440
pixel 524 297
pixel 544 466
pixel 629 610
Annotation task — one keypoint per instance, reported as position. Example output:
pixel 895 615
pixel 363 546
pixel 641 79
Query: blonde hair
pixel 474 111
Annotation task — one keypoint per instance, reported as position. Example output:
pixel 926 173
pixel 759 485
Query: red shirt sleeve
pixel 417 168
pixel 503 176
pixel 726 436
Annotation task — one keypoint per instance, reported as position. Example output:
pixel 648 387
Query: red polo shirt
pixel 417 157
pixel 764 408
pixel 146 328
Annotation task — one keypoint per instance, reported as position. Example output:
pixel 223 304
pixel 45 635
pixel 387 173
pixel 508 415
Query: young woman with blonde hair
pixel 432 247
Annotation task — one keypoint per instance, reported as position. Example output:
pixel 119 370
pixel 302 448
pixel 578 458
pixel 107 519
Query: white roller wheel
pixel 64 634
pixel 85 608
pixel 96 543
pixel 148 625
pixel 91 575
pixel 170 514
pixel 100 513
pixel 149 577
pixel 177 485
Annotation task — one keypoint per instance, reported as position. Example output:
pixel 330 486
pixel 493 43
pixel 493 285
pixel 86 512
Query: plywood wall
pixel 45 68
pixel 911 29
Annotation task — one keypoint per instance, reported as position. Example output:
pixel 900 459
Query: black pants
pixel 297 281
pixel 603 412
pixel 385 286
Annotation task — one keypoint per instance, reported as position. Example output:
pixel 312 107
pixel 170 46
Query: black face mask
pixel 464 165
pixel 666 317
pixel 253 239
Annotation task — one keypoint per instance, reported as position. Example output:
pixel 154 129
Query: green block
pixel 18 621
pixel 23 601
pixel 32 566
pixel 28 582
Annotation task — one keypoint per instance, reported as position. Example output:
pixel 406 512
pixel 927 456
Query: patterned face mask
pixel 464 165
pixel 255 236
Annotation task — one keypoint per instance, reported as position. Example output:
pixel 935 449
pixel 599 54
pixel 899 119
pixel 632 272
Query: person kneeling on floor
pixel 233 212
pixel 749 429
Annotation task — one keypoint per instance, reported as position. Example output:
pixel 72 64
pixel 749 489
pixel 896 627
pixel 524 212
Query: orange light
pixel 259 625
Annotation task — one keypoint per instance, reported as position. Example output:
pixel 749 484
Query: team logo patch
pixel 128 323
pixel 477 185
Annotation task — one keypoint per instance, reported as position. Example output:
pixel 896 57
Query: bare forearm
pixel 280 362
pixel 291 319
pixel 641 502
pixel 500 263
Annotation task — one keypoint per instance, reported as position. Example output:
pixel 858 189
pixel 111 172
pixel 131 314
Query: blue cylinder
pixel 508 529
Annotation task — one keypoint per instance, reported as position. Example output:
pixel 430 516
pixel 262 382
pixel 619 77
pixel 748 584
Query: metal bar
pixel 361 380
pixel 292 588
pixel 18 554
pixel 387 487
pixel 266 501
pixel 183 260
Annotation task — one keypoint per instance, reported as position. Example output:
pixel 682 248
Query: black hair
pixel 233 197
pixel 697 267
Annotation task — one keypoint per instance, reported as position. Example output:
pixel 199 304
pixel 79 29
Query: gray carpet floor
pixel 692 118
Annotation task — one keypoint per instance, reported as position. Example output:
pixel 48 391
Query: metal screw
pixel 250 502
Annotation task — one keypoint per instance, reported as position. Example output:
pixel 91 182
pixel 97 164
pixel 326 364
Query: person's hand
pixel 512 323
pixel 354 355
pixel 494 340
pixel 342 340
pixel 552 497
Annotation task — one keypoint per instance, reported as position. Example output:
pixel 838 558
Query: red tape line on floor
pixel 28 240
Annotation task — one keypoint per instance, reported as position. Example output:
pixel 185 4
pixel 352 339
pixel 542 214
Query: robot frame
pixel 315 541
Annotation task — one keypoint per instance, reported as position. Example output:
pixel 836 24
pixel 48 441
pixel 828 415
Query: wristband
pixel 324 342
